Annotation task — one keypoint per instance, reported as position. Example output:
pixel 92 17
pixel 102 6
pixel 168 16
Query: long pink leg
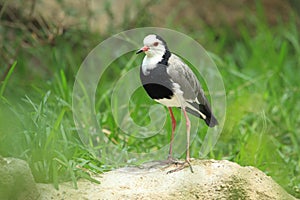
pixel 188 130
pixel 187 159
pixel 172 135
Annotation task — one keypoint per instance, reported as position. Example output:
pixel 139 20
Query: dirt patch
pixel 101 15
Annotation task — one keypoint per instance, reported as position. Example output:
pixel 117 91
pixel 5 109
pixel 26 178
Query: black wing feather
pixel 210 119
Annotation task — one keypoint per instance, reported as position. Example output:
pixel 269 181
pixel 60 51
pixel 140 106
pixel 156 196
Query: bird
pixel 168 80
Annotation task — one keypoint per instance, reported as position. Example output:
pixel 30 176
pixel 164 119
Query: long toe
pixel 180 166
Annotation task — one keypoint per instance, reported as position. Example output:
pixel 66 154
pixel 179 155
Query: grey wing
pixel 185 77
pixel 193 94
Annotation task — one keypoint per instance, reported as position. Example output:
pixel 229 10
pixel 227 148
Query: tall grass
pixel 261 124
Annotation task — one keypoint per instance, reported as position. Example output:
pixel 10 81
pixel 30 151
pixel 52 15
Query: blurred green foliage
pixel 259 63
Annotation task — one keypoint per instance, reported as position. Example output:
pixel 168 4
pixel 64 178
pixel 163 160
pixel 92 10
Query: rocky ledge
pixel 211 179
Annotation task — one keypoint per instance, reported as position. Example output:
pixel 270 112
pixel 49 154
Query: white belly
pixel 173 102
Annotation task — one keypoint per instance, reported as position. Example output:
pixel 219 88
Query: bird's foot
pixel 163 164
pixel 181 165
pixel 172 161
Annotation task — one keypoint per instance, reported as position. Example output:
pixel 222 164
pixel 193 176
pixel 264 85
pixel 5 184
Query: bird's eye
pixel 155 44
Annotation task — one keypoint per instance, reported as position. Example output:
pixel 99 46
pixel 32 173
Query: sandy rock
pixel 211 180
pixel 16 180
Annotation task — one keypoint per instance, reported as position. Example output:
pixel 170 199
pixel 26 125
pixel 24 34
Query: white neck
pixel 150 63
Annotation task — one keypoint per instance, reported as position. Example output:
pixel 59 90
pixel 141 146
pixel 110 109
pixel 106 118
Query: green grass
pixel 262 126
pixel 260 67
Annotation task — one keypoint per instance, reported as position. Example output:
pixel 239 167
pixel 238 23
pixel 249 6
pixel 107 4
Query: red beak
pixel 143 49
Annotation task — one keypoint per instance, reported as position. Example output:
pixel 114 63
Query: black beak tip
pixel 139 51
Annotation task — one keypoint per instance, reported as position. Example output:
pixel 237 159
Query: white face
pixel 156 46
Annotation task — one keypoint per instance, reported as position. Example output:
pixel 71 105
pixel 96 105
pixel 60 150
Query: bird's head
pixel 154 45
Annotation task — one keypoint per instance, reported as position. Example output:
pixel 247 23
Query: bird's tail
pixel 211 121
pixel 203 112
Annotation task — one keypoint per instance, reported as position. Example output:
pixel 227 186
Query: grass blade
pixel 5 81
